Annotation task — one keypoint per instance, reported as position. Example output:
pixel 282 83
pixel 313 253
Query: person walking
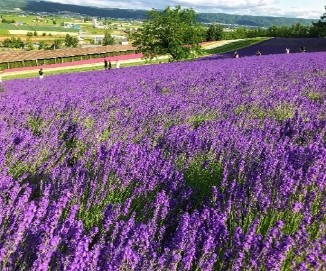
pixel 41 73
pixel 258 53
pixel 287 50
pixel 117 64
pixel 236 55
pixel 105 64
pixel 110 65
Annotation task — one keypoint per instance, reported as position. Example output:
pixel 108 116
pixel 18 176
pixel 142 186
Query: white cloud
pixel 243 7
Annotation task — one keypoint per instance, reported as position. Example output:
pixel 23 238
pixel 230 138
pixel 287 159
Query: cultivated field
pixel 198 165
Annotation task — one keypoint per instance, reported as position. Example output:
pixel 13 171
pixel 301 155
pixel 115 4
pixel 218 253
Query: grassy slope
pixel 234 46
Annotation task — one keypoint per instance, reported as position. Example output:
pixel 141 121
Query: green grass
pixel 33 28
pixel 4 32
pixel 237 45
pixel 201 175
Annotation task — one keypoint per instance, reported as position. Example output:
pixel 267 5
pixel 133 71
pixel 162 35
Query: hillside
pixel 43 6
pixel 5 4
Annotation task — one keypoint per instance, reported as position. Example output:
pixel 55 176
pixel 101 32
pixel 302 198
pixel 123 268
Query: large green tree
pixel 108 39
pixel 214 32
pixel 319 28
pixel 175 32
pixel 71 41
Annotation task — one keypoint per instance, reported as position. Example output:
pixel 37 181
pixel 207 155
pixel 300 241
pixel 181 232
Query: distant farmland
pixel 23 29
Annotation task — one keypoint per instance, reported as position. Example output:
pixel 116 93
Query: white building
pixel 94 21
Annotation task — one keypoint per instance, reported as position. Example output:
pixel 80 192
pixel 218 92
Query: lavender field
pixel 205 165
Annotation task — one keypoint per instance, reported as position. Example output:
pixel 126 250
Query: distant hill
pixel 43 6
pixel 11 4
pixel 261 21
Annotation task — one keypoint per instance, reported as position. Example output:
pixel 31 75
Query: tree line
pixel 297 30
pixel 68 42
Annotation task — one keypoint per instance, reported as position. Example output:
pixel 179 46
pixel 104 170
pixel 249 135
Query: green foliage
pixel 57 44
pixel 42 45
pixel 35 125
pixel 71 41
pixel 315 96
pixel 296 30
pixel 8 21
pixel 214 32
pixel 172 31
pixel 201 175
pixel 29 43
pixel 196 120
pixel 108 39
pixel 13 43
pixel 106 134
pixel 319 28
pixel 281 112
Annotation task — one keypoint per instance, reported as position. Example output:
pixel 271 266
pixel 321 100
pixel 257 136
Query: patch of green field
pixel 8 26
pixel 36 28
pixel 4 32
pixel 237 45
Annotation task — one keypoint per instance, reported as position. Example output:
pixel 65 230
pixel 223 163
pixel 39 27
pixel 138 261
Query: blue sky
pixel 291 8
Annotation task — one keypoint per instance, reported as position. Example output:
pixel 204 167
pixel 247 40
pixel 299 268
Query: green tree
pixel 318 29
pixel 172 31
pixel 35 34
pixel 42 45
pixel 108 39
pixel 214 32
pixel 29 44
pixel 71 41
pixel 57 44
pixel 13 43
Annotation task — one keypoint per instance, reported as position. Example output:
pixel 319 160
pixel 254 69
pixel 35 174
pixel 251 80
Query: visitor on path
pixel 110 65
pixel 1 77
pixel 117 64
pixel 287 50
pixel 236 55
pixel 40 72
pixel 258 53
pixel 105 64
pixel 302 49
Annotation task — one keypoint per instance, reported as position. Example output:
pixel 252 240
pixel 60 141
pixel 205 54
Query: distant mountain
pixel 247 20
pixel 43 6
pixel 11 4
